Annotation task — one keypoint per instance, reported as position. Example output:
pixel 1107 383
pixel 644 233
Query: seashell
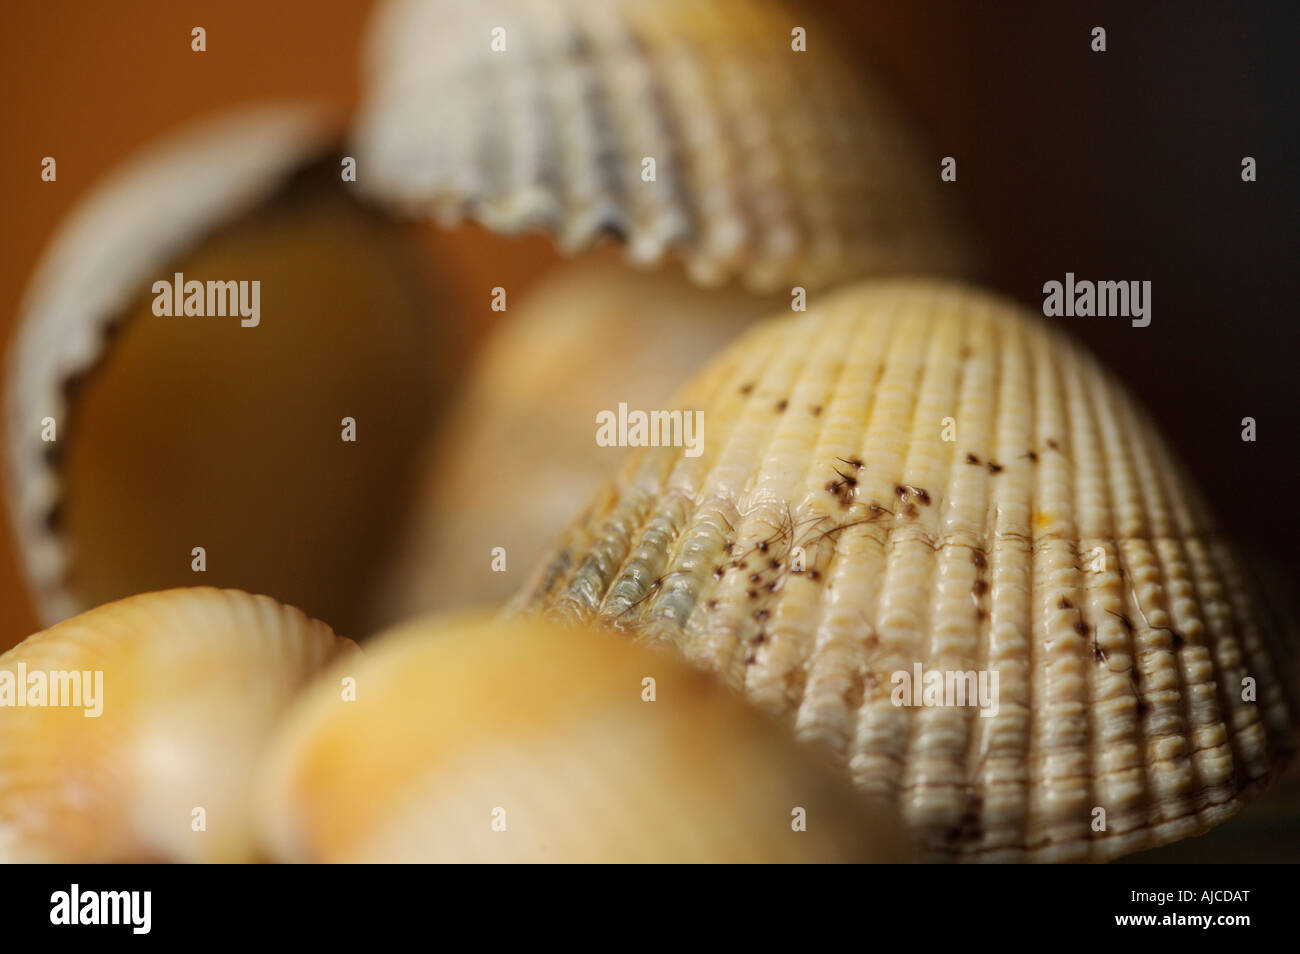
pixel 829 540
pixel 560 357
pixel 778 166
pixel 473 739
pixel 204 431
pixel 187 684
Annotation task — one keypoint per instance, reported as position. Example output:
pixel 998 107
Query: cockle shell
pixel 191 683
pixel 473 739
pixel 920 474
pixel 781 166
pixel 592 335
pixel 173 433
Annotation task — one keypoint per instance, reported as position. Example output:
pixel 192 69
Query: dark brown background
pixel 1122 165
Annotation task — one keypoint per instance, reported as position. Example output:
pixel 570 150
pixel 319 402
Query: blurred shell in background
pixel 917 474
pixel 779 166
pixel 592 335
pixel 192 682
pixel 180 432
pixel 475 740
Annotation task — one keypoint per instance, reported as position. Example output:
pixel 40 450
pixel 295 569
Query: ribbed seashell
pixel 593 335
pixel 181 432
pixel 189 685
pixel 829 537
pixel 474 740
pixel 779 166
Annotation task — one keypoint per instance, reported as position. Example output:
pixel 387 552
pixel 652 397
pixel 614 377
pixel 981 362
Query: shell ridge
pixel 776 673
pixel 711 517
pixel 1162 725
pixel 792 231
pixel 1269 697
pixel 976 374
pixel 692 479
pixel 756 448
pixel 1129 748
pixel 1279 644
pixel 716 169
pixel 1208 788
pixel 584 590
pixel 1010 616
pixel 900 630
pixel 1278 686
pixel 533 179
pixel 551 583
pixel 663 214
pixel 927 750
pixel 601 204
pixel 1059 519
pixel 810 715
pixel 971 487
pixel 1102 609
pixel 761 192
pixel 717 498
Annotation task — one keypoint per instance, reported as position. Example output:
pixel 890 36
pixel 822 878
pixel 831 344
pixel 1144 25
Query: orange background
pixel 88 83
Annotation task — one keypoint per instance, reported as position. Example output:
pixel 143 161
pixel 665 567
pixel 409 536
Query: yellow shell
pixel 478 740
pixel 176 432
pixel 780 166
pixel 592 335
pixel 918 474
pixel 155 761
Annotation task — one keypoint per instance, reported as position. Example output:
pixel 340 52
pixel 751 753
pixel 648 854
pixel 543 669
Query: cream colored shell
pixel 279 446
pixel 779 166
pixel 830 536
pixel 134 224
pixel 475 740
pixel 191 683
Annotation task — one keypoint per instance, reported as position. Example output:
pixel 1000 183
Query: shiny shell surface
pixel 131 732
pixel 472 739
